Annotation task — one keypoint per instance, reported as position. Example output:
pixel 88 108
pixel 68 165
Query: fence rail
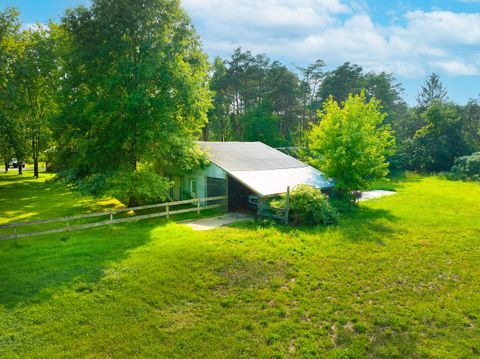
pixel 167 213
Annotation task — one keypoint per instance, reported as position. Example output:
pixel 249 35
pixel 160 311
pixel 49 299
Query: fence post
pixel 111 216
pixel 168 211
pixel 15 231
pixel 287 209
pixel 68 226
pixel 198 207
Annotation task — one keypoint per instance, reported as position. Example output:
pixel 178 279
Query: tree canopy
pixel 433 89
pixel 134 96
pixel 351 144
pixel 116 94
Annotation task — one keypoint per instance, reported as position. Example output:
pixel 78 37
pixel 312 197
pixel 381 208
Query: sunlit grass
pixel 396 278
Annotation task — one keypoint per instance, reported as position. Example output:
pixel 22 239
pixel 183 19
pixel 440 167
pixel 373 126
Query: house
pixel 241 169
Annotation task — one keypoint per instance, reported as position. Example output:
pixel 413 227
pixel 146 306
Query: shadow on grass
pixel 396 181
pixel 360 224
pixel 34 269
pixel 25 200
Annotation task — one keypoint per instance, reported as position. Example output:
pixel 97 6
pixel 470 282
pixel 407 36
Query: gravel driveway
pixel 206 224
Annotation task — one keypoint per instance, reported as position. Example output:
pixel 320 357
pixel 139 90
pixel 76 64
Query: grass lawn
pixel 399 277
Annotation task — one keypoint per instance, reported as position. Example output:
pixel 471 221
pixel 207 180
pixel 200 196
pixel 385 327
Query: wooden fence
pixel 196 207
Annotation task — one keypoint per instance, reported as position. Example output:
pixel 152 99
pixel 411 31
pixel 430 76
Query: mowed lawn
pixel 399 277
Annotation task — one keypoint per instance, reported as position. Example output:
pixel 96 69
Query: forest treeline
pixel 117 92
pixel 256 99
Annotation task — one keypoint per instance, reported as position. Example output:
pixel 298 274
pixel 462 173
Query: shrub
pixel 466 167
pixel 308 205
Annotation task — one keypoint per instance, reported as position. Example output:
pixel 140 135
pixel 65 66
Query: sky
pixel 410 39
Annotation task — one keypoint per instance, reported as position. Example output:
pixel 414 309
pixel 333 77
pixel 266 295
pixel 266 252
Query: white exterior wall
pixel 201 176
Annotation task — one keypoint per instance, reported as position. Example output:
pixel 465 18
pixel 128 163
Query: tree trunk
pixel 20 167
pixel 35 167
pixel 132 202
pixel 35 153
pixel 205 133
pixel 6 166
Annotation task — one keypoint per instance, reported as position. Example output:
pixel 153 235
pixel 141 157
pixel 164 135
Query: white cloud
pixel 445 27
pixel 339 30
pixel 34 26
pixel 457 67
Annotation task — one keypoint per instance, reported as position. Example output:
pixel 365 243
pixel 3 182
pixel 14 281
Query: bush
pixel 308 205
pixel 466 168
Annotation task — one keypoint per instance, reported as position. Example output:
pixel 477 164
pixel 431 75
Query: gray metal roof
pixel 273 182
pixel 247 156
pixel 263 169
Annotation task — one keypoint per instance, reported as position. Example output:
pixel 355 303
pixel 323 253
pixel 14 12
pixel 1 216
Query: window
pixel 216 187
pixel 193 188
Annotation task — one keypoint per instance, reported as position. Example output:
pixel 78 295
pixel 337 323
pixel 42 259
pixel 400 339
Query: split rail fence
pixel 197 205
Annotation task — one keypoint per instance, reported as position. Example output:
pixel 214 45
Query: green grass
pixel 399 277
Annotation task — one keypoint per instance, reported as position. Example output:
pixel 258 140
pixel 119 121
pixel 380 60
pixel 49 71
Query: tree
pixel 471 115
pixel 442 139
pixel 283 91
pixel 312 78
pixel 10 53
pixel 261 125
pixel 38 81
pixel 344 80
pixel 432 90
pixel 245 86
pixel 219 117
pixel 6 150
pixel 351 144
pixel 134 97
pixel 384 87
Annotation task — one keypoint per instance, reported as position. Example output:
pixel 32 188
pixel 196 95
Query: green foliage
pixel 466 168
pixel 134 91
pixel 251 91
pixel 350 144
pixel 439 141
pixel 308 205
pixel 145 186
pixel 311 83
pixel 11 141
pixel 261 125
pixel 340 83
pixel 38 80
pixel 398 277
pixel 431 91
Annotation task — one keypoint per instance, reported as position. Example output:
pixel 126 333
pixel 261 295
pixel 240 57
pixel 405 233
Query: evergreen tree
pixel 432 90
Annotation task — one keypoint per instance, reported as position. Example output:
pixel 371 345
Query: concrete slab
pixel 206 224
pixel 375 194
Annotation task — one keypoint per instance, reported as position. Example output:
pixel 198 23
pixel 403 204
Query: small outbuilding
pixel 244 169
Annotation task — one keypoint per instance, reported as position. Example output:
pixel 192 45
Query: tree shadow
pixel 360 224
pixel 397 181
pixel 27 199
pixel 34 269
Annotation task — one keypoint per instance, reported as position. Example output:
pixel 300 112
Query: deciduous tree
pixel 135 96
pixel 351 144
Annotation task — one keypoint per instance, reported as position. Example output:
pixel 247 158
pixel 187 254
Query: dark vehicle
pixel 14 163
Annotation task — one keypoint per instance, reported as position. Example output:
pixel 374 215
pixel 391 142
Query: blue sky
pixel 409 38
